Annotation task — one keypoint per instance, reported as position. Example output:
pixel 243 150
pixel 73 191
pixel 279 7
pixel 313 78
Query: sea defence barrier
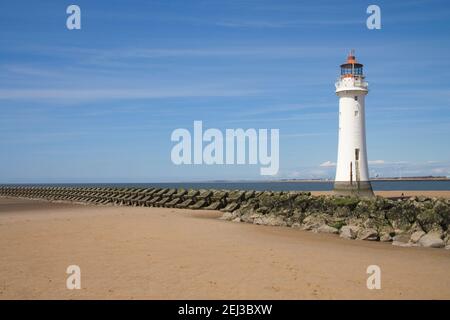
pixel 415 221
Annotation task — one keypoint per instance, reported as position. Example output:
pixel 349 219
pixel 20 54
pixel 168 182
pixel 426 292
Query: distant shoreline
pixel 371 179
pixel 378 184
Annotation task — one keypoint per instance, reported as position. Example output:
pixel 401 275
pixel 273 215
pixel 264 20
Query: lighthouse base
pixel 359 189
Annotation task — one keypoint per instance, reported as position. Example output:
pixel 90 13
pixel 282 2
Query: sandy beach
pixel 157 253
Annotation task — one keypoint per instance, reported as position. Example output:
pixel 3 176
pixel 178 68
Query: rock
pixel 387 234
pixel 357 222
pixel 228 216
pixel 230 207
pixel 238 219
pixel 342 212
pixel 402 237
pixel 312 222
pixel 368 234
pixel 263 210
pixel 270 220
pixel 447 240
pixel 250 218
pixel 327 229
pixel 438 232
pixel 402 240
pixel 214 206
pixel 431 240
pixel 447 247
pixel 349 232
pixel 415 237
pixel 386 237
pixel 199 204
pixel 296 225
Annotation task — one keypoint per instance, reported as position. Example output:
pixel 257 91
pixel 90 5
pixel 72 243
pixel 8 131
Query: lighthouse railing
pixel 349 83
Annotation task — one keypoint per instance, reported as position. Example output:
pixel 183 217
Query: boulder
pixel 415 237
pixel 250 217
pixel 312 222
pixel 432 240
pixel 327 229
pixel 214 206
pixel 199 204
pixel 368 234
pixel 402 237
pixel 228 216
pixel 349 232
pixel 231 206
pixel 387 233
pixel 353 221
pixel 402 240
pixel 386 237
pixel 270 220
pixel 438 232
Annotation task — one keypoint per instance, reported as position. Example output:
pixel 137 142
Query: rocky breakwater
pixel 417 221
pixel 224 200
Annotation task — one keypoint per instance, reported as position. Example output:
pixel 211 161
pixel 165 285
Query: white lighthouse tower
pixel 352 173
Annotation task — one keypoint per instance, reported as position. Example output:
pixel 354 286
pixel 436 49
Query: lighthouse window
pixel 356 154
pixel 356 113
pixel 356 98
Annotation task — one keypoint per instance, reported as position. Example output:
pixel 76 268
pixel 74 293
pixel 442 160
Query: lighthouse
pixel 352 173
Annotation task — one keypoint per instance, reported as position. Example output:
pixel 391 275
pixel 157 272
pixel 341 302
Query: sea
pixel 379 185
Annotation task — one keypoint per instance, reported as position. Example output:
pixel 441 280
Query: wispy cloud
pixel 294 107
pixel 286 24
pixel 384 162
pixel 328 164
pixel 302 117
pixel 377 162
pixel 403 168
pixel 119 93
pixel 384 168
pixel 301 135
pixel 147 52
pixel 27 70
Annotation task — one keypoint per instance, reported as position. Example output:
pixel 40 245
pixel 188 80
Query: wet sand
pixel 155 253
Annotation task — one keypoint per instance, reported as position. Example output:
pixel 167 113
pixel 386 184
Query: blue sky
pixel 99 104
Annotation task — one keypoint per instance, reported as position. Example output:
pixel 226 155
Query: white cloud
pixel 284 24
pixel 328 164
pixel 301 135
pixel 119 93
pixel 384 162
pixel 441 171
pixel 377 162
pixel 96 56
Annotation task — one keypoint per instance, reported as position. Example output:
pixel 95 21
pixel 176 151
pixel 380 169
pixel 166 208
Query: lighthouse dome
pixel 351 68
